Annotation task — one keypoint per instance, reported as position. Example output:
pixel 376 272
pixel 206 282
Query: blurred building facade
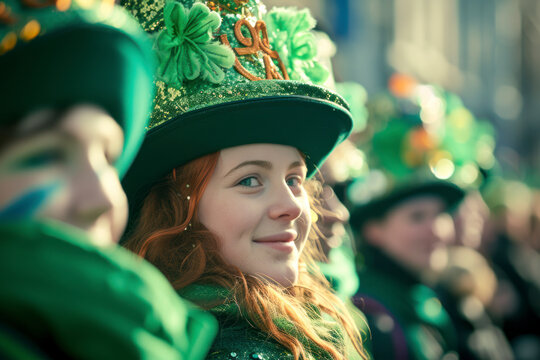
pixel 487 51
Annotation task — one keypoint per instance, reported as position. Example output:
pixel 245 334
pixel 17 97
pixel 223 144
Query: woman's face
pixel 412 231
pixel 257 206
pixel 60 166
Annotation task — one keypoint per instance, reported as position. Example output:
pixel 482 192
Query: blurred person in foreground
pixel 76 89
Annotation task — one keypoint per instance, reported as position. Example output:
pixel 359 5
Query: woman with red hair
pixel 221 193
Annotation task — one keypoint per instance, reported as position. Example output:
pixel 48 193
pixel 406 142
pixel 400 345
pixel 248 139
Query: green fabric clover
pixel 185 48
pixel 289 31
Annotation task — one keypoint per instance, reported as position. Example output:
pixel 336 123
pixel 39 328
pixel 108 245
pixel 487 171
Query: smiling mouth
pixel 284 237
pixel 283 242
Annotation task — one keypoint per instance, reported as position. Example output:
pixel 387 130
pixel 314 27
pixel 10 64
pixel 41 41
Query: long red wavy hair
pixel 169 235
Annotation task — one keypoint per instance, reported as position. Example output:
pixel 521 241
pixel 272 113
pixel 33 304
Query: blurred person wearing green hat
pixel 222 199
pixel 399 213
pixel 76 90
pixel 465 284
pixel 424 150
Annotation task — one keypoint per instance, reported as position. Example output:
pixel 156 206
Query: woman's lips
pixel 282 242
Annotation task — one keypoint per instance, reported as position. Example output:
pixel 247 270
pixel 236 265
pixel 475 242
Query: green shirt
pixel 69 298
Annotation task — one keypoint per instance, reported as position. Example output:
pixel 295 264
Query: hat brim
pixel 449 193
pixel 313 126
pixel 87 63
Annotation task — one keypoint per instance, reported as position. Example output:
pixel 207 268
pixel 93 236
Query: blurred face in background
pixel 412 231
pixel 59 165
pixel 257 206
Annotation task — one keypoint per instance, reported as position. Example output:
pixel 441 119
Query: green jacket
pixel 62 297
pixel 237 339
pixel 406 318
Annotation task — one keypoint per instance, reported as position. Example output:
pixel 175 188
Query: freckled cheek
pixel 238 219
pixel 234 228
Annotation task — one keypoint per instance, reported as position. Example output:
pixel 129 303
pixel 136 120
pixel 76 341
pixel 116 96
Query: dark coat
pixel 406 318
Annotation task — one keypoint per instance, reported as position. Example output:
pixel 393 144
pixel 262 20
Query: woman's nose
pixel 285 205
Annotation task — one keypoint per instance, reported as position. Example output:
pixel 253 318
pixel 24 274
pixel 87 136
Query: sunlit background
pixel 487 51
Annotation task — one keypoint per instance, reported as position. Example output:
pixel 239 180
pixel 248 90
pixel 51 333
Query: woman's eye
pixel 294 181
pixel 251 181
pixel 43 158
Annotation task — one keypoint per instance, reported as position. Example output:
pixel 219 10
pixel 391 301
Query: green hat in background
pixel 221 83
pixel 418 140
pixel 54 54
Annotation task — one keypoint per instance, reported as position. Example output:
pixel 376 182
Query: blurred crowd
pixel 429 243
pixel 480 255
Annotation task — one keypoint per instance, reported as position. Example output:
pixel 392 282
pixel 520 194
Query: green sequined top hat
pixel 408 153
pixel 57 53
pixel 221 84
